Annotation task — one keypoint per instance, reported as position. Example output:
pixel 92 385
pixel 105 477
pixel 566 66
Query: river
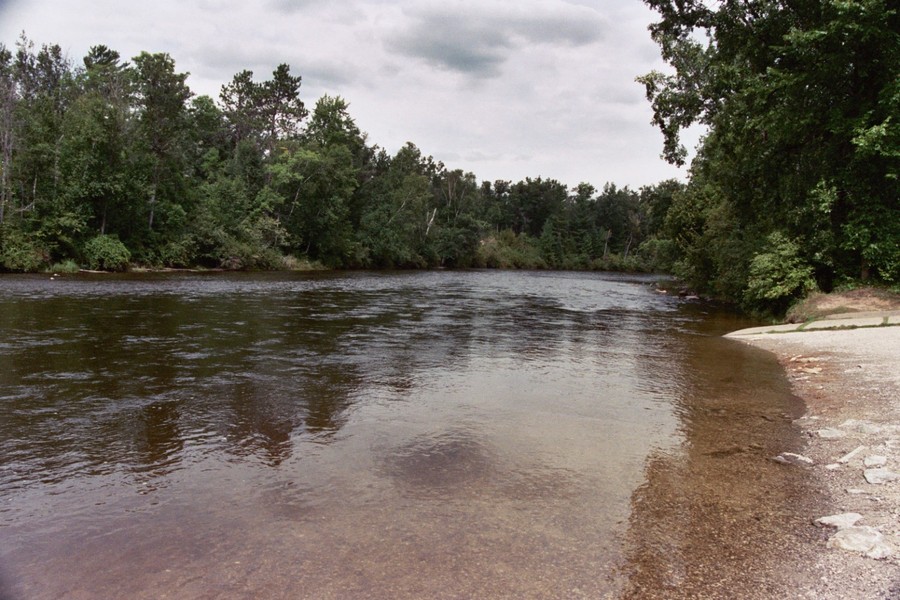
pixel 473 434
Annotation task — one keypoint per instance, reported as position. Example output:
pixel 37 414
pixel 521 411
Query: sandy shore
pixel 849 380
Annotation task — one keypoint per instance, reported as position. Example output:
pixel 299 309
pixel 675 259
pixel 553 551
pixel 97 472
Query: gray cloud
pixel 289 6
pixel 505 89
pixel 477 41
pixel 328 73
pixel 464 47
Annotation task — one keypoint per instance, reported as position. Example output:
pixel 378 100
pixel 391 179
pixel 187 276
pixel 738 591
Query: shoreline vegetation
pixel 111 164
pixel 108 162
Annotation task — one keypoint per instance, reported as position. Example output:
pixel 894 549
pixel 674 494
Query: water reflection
pixel 354 435
pixel 158 439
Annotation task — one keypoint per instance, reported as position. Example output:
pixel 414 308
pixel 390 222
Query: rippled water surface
pixel 411 435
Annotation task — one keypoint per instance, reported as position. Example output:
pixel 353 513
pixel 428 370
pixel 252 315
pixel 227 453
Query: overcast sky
pixel 505 89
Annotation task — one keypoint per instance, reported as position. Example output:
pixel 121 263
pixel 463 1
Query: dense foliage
pixel 109 163
pixel 796 183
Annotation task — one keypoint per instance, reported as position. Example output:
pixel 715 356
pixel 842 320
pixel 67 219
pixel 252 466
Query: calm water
pixel 412 435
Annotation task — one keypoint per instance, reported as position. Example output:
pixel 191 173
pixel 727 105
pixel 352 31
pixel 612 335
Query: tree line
pixel 108 163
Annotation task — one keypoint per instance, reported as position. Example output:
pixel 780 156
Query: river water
pixel 386 435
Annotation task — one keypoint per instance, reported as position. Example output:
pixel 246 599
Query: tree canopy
pixel 798 173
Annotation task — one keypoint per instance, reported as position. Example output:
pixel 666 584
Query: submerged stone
pixel 851 455
pixel 831 433
pixel 875 461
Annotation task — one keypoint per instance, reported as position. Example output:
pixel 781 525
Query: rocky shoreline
pixel 847 371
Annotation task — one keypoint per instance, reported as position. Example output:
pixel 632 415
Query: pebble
pixel 841 521
pixel 789 458
pixel 880 476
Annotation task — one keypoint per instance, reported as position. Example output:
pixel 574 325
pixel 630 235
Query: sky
pixel 504 89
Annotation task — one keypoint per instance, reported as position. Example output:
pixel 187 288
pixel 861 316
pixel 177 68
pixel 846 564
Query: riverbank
pixel 846 368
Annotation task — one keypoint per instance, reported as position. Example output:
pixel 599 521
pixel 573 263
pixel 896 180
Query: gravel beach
pixel 848 374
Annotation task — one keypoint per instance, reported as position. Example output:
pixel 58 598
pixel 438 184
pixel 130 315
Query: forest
pixel 111 163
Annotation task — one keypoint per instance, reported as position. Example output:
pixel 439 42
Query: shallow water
pixel 390 435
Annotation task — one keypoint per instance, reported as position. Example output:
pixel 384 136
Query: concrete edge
pixel 845 321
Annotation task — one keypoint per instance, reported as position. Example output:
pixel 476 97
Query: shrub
pixel 658 254
pixel 292 263
pixel 506 250
pixel 106 253
pixel 178 253
pixel 778 275
pixel 20 251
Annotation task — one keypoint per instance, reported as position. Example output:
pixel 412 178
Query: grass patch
pixel 67 267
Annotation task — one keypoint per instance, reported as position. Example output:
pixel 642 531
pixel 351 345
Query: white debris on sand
pixel 789 458
pixel 841 521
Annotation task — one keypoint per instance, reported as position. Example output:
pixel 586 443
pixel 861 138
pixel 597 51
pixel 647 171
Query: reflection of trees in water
pixel 260 369
pixel 267 412
pixel 96 392
pixel 716 518
pixel 156 437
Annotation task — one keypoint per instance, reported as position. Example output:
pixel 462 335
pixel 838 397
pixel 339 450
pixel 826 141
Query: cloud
pixel 505 89
pixel 6 4
pixel 463 47
pixel 290 6
pixel 477 39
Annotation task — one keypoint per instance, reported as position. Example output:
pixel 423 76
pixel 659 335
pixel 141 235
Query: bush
pixel 618 263
pixel 178 253
pixel 20 251
pixel 507 250
pixel 778 275
pixel 658 255
pixel 106 253
pixel 292 263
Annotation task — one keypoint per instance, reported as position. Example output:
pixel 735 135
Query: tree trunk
pixel 430 222
pixel 153 195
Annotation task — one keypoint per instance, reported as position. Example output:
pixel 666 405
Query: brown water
pixel 412 435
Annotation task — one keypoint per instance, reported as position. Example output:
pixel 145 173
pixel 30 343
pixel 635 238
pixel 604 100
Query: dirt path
pixel 850 382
